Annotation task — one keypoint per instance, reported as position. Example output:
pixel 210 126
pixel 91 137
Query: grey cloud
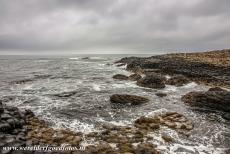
pixel 108 26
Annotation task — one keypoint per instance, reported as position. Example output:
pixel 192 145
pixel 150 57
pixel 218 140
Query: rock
pixel 217 99
pixel 166 137
pixel 85 58
pixel 5 116
pixel 66 94
pixel 159 94
pixel 120 77
pixel 210 68
pixel 135 77
pixel 122 64
pixel 178 80
pixel 226 116
pixel 152 81
pixel 1 107
pixel 146 148
pixel 127 99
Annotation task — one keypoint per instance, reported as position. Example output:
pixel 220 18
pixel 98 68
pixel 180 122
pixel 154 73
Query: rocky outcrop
pixel 214 98
pixel 178 80
pixel 135 77
pixel 170 119
pixel 127 99
pixel 12 127
pixel 120 77
pixel 198 67
pixel 152 81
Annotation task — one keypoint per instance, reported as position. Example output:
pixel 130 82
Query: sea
pixel 73 91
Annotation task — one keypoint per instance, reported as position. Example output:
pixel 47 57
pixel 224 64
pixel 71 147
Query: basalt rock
pixel 135 77
pixel 160 94
pixel 178 80
pixel 120 77
pixel 128 99
pixel 170 119
pixel 152 81
pixel 214 98
pixel 211 68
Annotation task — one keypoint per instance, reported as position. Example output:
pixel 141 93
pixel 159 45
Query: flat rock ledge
pixel 214 98
pixel 125 99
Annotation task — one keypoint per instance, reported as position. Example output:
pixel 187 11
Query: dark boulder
pixel 159 94
pixel 214 98
pixel 120 77
pixel 128 99
pixel 1 107
pixel 135 77
pixel 178 80
pixel 152 81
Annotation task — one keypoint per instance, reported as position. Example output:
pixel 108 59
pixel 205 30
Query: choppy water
pixel 72 92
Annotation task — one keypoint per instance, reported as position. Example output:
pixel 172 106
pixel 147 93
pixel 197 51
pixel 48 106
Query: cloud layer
pixel 116 26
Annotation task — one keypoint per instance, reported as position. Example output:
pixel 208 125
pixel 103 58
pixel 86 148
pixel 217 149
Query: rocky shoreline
pixel 22 128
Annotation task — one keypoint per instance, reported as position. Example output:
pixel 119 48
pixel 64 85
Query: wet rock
pixel 226 116
pixel 85 58
pixel 5 127
pixel 166 137
pixel 146 148
pixel 170 119
pixel 135 77
pixel 122 64
pixel 211 68
pixel 152 81
pixel 23 81
pixel 127 147
pixel 1 107
pixel 5 116
pixel 128 99
pixel 214 98
pixel 120 77
pixel 178 80
pixel 65 94
pixel 159 94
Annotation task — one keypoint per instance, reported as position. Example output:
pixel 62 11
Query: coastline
pixel 211 68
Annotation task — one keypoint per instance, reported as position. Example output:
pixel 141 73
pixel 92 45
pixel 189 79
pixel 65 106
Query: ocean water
pixel 73 92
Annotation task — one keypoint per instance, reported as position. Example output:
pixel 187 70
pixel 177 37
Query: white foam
pixel 75 58
pixel 96 87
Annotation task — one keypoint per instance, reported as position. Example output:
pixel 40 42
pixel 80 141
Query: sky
pixel 113 26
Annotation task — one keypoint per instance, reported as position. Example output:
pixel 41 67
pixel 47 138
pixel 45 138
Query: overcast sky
pixel 113 26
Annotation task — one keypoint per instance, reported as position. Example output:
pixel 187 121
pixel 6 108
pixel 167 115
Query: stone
pixel 166 137
pixel 5 116
pixel 217 99
pixel 120 77
pixel 127 99
pixel 152 81
pixel 5 127
pixel 146 148
pixel 160 94
pixel 135 77
pixel 178 80
pixel 1 107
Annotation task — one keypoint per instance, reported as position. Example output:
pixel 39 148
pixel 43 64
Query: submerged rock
pixel 135 77
pixel 152 81
pixel 160 94
pixel 214 98
pixel 128 99
pixel 178 80
pixel 120 77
